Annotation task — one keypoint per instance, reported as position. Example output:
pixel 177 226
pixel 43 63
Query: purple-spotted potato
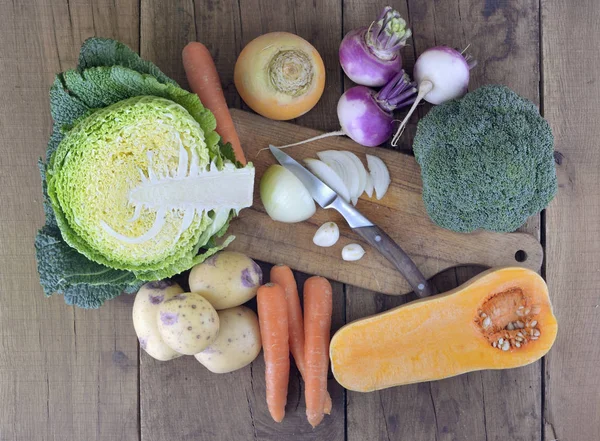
pixel 227 279
pixel 187 323
pixel 237 344
pixel 145 305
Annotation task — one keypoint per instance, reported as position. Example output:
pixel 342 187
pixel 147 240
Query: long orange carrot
pixel 204 81
pixel 273 322
pixel 318 305
pixel 283 276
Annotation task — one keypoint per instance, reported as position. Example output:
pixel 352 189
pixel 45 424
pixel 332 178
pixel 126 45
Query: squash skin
pixel 438 337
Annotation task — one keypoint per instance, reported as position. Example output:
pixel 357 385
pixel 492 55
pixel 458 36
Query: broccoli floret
pixel 487 161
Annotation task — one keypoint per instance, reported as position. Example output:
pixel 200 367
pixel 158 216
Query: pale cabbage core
pixel 102 160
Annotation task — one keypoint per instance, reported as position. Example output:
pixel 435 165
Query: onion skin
pixel 362 118
pixel 361 65
pixel 254 84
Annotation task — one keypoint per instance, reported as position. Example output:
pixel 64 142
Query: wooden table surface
pixel 73 374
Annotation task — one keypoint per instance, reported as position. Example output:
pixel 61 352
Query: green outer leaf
pixel 229 154
pixel 83 282
pixel 94 296
pixel 64 107
pixel 107 52
pixel 91 86
pixel 48 210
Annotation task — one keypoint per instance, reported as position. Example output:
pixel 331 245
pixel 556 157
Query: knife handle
pixel 378 239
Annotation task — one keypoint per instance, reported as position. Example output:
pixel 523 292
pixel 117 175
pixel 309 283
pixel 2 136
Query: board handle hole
pixel 521 256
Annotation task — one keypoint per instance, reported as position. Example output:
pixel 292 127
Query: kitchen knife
pixel 375 236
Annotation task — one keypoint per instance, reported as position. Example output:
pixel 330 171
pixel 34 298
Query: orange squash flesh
pixel 500 319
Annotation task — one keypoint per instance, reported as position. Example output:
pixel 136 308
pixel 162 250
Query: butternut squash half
pixel 500 319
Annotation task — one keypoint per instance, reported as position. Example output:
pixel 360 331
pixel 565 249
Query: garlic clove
pixel 327 235
pixel 352 252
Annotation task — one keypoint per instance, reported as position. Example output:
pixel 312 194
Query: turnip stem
pixel 396 92
pixel 425 87
pixel 388 34
pixel 315 138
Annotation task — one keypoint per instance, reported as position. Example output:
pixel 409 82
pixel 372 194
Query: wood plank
pixel 400 213
pixel 65 374
pixel 168 409
pixel 571 105
pixel 504 37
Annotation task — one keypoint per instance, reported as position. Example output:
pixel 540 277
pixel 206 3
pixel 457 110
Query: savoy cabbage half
pixel 137 184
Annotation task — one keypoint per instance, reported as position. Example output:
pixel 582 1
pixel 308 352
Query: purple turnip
pixel 366 115
pixel 370 56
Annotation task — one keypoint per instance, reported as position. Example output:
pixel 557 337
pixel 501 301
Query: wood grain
pixel 400 213
pixel 72 375
pixel 571 105
pixel 64 374
pixel 504 37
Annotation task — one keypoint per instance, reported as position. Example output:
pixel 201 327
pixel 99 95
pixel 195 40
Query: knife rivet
pixel 377 238
pixel 421 287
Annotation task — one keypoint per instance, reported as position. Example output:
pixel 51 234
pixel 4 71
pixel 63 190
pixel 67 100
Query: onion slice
pixel 369 187
pixel 361 172
pixel 346 168
pixel 380 174
pixel 328 175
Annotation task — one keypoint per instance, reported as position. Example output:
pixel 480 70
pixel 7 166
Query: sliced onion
pixel 329 176
pixel 369 187
pixel 361 172
pixel 345 167
pixel 380 174
pixel 284 196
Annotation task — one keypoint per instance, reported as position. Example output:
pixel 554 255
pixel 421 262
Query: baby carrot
pixel 318 305
pixel 204 81
pixel 283 276
pixel 273 322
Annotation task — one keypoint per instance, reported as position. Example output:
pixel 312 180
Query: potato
pixel 238 343
pixel 146 303
pixel 188 323
pixel 227 279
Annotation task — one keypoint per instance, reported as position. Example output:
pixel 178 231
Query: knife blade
pixel 375 236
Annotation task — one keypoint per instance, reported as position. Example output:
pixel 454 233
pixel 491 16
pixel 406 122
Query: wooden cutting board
pixel 400 213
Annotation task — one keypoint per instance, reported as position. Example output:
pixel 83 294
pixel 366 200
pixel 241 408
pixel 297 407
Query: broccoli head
pixel 487 161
